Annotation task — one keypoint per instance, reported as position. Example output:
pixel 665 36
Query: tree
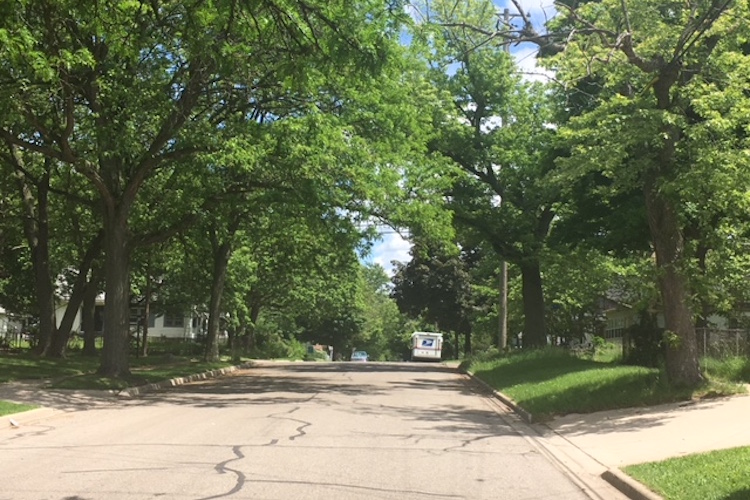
pixel 496 128
pixel 435 286
pixel 61 243
pixel 659 125
pixel 126 93
pixel 385 331
pixel 33 194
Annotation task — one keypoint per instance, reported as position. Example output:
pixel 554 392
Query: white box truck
pixel 426 346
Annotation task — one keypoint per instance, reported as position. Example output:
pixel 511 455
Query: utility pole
pixel 502 310
pixel 502 306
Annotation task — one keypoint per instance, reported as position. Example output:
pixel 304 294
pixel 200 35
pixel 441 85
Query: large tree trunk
pixel 669 246
pixel 249 339
pixel 222 253
pixel 115 362
pixel 466 330
pixel 682 362
pixel 235 341
pixel 62 335
pixel 534 328
pixel 44 291
pixel 36 230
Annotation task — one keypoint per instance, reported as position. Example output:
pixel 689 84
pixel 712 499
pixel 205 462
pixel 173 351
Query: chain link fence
pixel 723 343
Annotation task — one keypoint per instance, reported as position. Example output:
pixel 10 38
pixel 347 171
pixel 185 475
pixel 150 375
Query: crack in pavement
pixel 467 442
pixel 44 429
pixel 300 429
pixel 222 468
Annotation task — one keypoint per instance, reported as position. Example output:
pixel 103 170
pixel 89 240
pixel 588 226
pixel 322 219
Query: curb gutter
pixel 615 477
pixel 628 485
pixel 525 415
pixel 28 417
pixel 143 389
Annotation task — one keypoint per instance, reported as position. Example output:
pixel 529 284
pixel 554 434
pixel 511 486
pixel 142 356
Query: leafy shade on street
pixel 555 382
pixel 707 476
pixel 79 372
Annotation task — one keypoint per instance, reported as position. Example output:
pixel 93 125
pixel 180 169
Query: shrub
pixel 296 349
pixel 645 342
pixel 315 356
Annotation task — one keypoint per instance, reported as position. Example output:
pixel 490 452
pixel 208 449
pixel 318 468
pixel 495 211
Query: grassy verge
pixel 707 476
pixel 554 382
pixel 736 369
pixel 79 372
pixel 25 366
pixel 7 408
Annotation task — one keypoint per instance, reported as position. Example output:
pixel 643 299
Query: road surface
pixel 287 431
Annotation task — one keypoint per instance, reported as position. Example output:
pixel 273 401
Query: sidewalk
pixel 602 443
pixel 636 435
pixel 598 445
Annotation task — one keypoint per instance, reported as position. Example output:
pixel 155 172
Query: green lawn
pixel 735 368
pixel 25 366
pixel 718 475
pixel 79 372
pixel 7 408
pixel 554 382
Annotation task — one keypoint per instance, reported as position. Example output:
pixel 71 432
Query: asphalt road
pixel 287 431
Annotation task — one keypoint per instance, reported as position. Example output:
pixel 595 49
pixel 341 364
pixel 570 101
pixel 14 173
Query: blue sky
pixel 391 246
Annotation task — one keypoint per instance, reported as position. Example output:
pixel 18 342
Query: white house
pixel 171 325
pixel 9 323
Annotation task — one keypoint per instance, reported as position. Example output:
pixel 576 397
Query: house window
pixel 174 320
pixel 136 317
pixel 614 333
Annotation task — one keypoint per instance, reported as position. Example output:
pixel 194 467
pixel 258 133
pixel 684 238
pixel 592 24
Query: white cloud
pixel 391 247
pixel 537 8
pixel 525 57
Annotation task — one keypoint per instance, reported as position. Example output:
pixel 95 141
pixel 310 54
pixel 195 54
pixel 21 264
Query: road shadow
pixel 35 392
pixel 628 420
pixel 371 367
pixel 298 383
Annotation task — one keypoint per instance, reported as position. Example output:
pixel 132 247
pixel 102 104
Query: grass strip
pixel 723 474
pixel 79 372
pixel 8 408
pixel 551 382
pixel 140 375
pixel 26 366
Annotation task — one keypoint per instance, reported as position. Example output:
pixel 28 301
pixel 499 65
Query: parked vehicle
pixel 426 346
pixel 360 356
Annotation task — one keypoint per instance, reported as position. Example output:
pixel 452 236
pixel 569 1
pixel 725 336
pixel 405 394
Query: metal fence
pixel 723 343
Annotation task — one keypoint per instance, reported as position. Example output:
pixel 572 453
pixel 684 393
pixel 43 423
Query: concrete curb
pixel 525 415
pixel 28 417
pixel 629 486
pixel 143 389
pixel 618 479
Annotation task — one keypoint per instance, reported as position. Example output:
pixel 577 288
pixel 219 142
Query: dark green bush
pixel 645 342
